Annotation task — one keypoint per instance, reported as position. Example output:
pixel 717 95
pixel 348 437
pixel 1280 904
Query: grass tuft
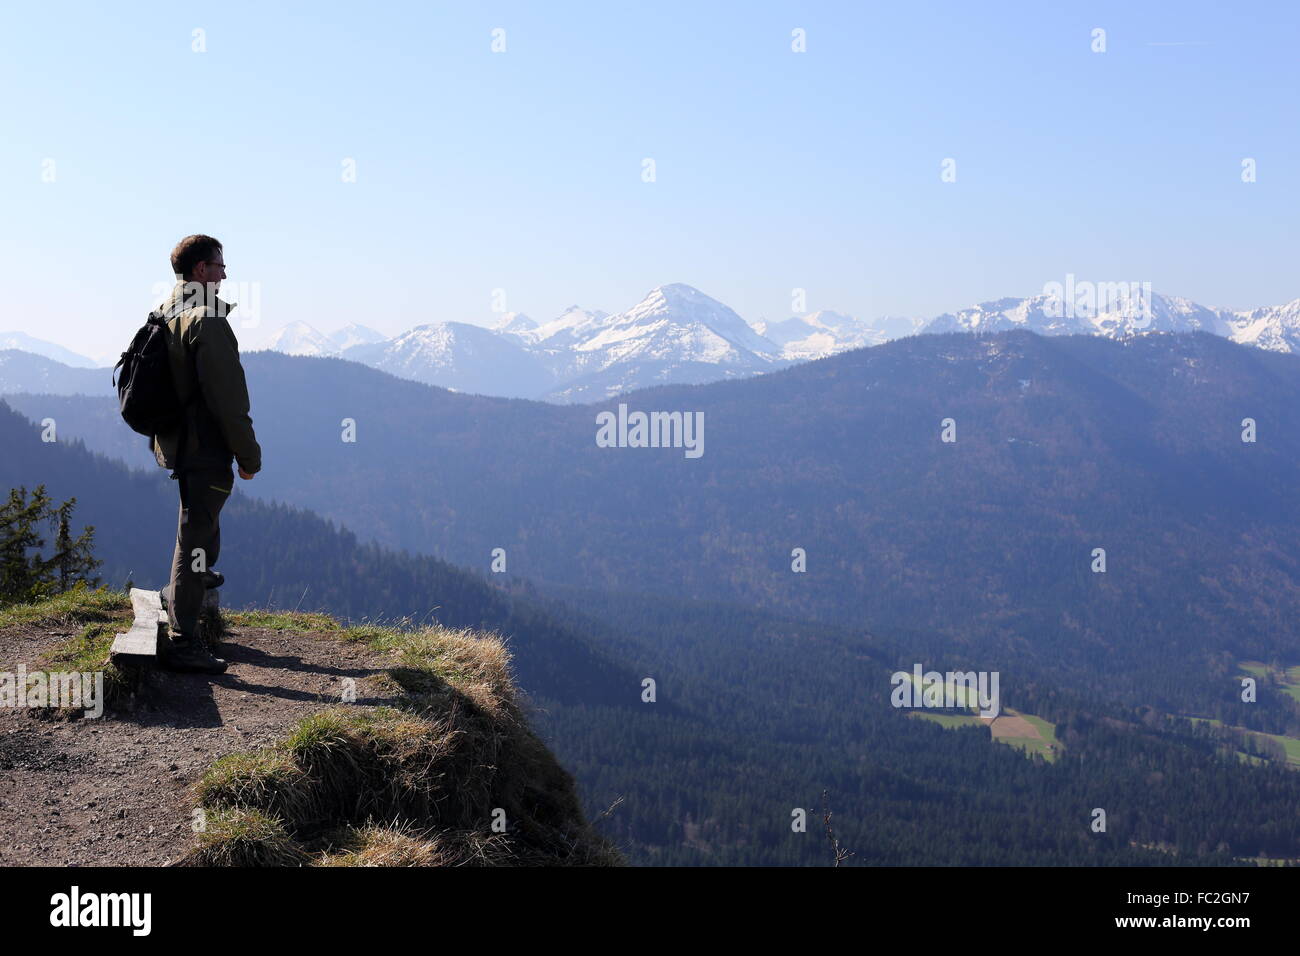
pixel 400 846
pixel 244 838
pixel 266 780
pixel 282 620
pixel 77 606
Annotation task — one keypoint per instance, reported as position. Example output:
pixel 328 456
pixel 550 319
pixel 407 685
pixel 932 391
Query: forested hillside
pixel 756 716
pixel 772 711
pixel 1062 446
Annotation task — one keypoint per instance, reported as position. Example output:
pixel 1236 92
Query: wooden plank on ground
pixel 142 602
pixel 142 639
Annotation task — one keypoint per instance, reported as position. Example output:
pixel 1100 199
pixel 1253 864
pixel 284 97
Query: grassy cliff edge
pixel 451 776
pixel 427 761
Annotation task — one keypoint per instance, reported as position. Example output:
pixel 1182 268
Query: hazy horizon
pixel 258 338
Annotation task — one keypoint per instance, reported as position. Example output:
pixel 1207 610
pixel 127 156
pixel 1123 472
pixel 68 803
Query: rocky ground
pixel 116 790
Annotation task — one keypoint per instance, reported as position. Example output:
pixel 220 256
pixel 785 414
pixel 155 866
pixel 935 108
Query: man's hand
pixel 245 475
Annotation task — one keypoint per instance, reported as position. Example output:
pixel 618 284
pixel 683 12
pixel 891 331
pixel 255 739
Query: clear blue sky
pixel 522 170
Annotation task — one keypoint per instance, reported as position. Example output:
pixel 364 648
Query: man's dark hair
pixel 190 251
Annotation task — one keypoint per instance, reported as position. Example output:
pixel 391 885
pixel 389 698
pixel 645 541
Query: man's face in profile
pixel 211 272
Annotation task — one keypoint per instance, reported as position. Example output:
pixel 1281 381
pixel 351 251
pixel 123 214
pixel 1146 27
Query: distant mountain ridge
pixel 1275 328
pixel 458 356
pixel 663 339
pixel 825 333
pixel 26 343
pixel 299 338
pixel 23 371
pixel 677 335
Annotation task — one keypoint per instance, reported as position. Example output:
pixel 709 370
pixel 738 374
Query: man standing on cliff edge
pixel 215 430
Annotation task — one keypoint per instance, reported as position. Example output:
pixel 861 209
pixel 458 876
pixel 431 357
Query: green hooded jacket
pixel 210 384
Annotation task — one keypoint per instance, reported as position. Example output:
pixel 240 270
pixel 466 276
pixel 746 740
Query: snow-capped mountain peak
pixel 678 334
pixel 299 338
pixel 571 326
pixel 1276 328
pixel 355 334
pixel 826 332
pixel 513 323
pixel 674 334
pixel 1128 312
pixel 460 356
pixel 681 320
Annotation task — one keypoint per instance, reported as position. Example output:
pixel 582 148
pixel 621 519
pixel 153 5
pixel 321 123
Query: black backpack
pixel 146 393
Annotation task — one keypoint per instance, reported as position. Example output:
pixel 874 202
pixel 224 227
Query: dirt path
pixel 114 790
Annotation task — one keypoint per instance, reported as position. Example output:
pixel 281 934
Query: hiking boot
pixel 188 655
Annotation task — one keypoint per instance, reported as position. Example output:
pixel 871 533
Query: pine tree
pixel 19 521
pixel 27 577
pixel 73 560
